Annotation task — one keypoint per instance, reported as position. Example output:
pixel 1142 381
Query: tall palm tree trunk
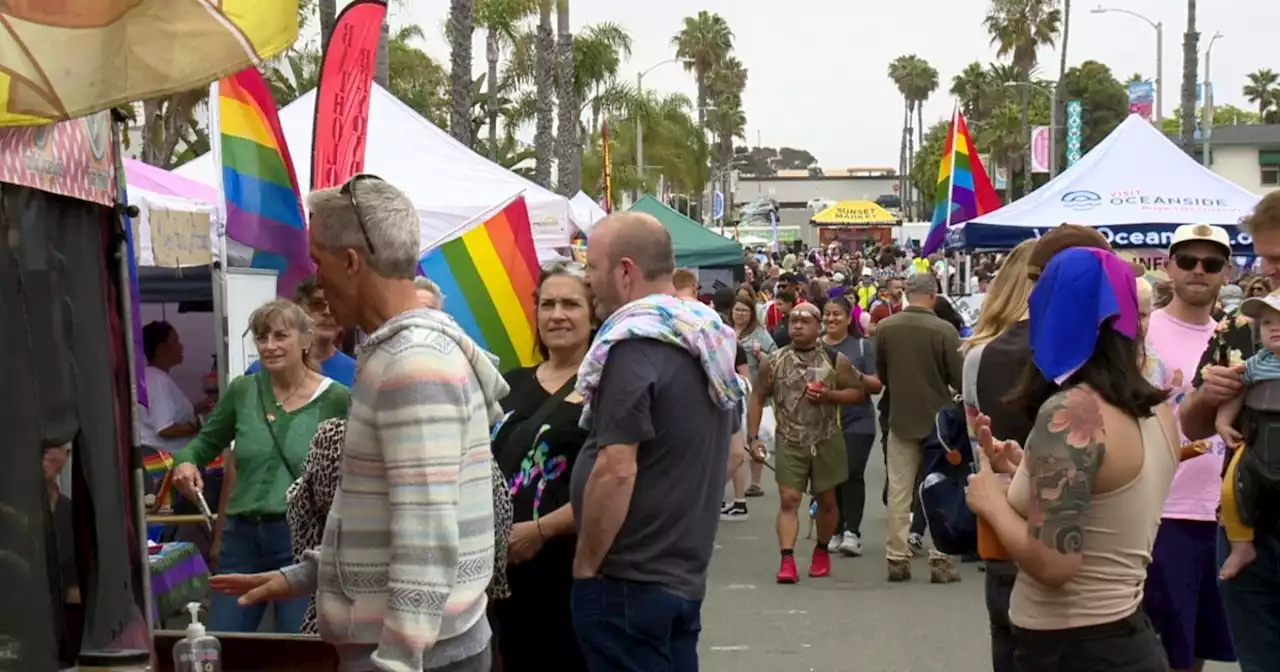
pixel 492 52
pixel 1190 69
pixel 382 61
pixel 461 26
pixel 920 209
pixel 544 84
pixel 1026 137
pixel 328 11
pixel 910 195
pixel 568 152
pixel 902 159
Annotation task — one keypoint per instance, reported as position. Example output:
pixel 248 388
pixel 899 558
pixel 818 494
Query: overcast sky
pixel 817 67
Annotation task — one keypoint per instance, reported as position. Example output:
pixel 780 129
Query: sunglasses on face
pixel 349 190
pixel 1188 262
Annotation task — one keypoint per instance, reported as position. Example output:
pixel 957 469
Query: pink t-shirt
pixel 1179 346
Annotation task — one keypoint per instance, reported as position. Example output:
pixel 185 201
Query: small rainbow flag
pixel 264 210
pixel 964 190
pixel 488 275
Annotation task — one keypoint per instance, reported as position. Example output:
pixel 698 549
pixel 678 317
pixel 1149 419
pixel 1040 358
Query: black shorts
pixel 1127 645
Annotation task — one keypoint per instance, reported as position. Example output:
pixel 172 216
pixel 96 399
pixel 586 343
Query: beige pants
pixel 904 463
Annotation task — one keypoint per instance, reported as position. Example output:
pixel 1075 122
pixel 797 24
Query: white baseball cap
pixel 1253 306
pixel 1210 234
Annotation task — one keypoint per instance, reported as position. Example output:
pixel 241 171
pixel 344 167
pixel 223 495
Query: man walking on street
pixel 918 358
pixel 660 401
pixel 808 383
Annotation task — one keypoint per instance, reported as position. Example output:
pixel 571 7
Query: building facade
pixel 1247 155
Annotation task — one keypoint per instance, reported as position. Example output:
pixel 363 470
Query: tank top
pixel 1118 536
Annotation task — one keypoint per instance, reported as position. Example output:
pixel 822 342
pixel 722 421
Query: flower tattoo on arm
pixel 1063 454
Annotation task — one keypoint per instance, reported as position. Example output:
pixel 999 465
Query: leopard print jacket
pixel 311 496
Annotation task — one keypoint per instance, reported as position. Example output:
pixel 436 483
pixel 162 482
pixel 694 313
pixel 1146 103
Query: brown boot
pixel 942 571
pixel 899 571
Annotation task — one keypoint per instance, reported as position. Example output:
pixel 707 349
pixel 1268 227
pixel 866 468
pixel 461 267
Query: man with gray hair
pixel 660 395
pixel 918 359
pixel 407 554
pixel 429 293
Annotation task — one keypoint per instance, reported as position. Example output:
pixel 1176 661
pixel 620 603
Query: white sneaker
pixel 850 545
pixel 734 511
pixel 833 546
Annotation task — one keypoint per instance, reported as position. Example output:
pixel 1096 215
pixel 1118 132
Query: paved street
pixel 852 620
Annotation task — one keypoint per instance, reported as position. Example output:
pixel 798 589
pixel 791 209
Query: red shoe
pixel 787 573
pixel 820 565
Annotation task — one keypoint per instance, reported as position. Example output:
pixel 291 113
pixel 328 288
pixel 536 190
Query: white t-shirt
pixel 166 407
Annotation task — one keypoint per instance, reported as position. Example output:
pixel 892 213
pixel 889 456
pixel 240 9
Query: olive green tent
pixel 696 245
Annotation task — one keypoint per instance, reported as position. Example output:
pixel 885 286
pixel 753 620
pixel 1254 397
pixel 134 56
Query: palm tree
pixel 922 81
pixel 970 88
pixel 1190 70
pixel 544 87
pixel 704 41
pixel 726 119
pixel 1261 89
pixel 899 69
pixel 1062 73
pixel 1019 28
pixel 598 53
pixel 461 27
pixel 500 20
pixel 568 152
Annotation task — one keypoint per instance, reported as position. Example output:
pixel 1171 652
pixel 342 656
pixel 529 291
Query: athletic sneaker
pixel 916 542
pixel 787 573
pixel 833 546
pixel 850 545
pixel 820 564
pixel 733 511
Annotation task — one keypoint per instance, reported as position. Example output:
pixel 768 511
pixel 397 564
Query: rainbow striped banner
pixel 263 207
pixel 488 275
pixel 964 190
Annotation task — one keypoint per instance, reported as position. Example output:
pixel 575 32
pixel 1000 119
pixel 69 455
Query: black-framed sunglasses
pixel 1188 262
pixel 349 190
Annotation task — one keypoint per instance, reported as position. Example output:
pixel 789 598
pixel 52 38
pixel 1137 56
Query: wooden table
pixel 258 652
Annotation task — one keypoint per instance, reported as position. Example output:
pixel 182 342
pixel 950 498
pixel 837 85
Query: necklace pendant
pixel 271 417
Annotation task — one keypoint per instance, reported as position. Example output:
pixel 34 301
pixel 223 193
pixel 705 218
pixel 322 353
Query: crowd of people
pixel 420 510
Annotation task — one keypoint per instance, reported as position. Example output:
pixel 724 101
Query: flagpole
pixel 223 253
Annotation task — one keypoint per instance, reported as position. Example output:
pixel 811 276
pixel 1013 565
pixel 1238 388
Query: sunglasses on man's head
pixel 349 190
pixel 1188 262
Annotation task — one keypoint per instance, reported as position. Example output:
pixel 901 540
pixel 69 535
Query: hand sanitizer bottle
pixel 197 651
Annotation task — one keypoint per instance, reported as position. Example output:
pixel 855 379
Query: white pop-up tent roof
pixel 1135 186
pixel 448 183
pixel 586 212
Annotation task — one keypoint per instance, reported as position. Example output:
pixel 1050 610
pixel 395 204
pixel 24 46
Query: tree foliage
pixel 767 161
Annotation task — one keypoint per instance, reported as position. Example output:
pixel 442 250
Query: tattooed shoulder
pixel 1063 454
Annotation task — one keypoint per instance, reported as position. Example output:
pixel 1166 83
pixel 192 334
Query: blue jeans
pixel 249 546
pixel 624 626
pixel 1252 600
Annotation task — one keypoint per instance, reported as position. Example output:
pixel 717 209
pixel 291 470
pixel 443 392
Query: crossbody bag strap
pixel 522 438
pixel 265 392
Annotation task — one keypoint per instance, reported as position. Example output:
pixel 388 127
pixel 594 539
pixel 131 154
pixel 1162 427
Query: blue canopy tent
pixel 1135 187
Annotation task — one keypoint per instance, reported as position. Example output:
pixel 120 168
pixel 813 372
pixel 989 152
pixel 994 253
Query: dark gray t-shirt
pixel 655 395
pixel 859 418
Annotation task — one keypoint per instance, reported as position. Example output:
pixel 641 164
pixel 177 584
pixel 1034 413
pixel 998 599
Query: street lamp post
pixel 640 122
pixel 1159 27
pixel 1208 101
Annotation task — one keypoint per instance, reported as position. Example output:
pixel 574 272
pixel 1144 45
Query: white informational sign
pixel 246 289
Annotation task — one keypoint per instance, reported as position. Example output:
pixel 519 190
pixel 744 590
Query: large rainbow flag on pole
pixel 488 275
pixel 964 190
pixel 263 207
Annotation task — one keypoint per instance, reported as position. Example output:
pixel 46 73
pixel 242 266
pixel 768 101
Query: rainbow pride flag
pixel 263 207
pixel 964 190
pixel 488 275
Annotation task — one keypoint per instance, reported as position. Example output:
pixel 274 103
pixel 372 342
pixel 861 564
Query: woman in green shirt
pixel 267 419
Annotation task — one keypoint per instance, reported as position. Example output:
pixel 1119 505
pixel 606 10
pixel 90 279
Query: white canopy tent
pixel 1135 187
pixel 448 183
pixel 586 212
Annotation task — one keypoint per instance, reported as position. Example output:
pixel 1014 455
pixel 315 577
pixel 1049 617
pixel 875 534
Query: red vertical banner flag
pixel 342 97
pixel 607 167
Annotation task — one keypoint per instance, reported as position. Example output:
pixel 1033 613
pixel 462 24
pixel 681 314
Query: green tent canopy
pixel 696 246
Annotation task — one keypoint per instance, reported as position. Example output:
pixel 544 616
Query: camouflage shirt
pixel 800 421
